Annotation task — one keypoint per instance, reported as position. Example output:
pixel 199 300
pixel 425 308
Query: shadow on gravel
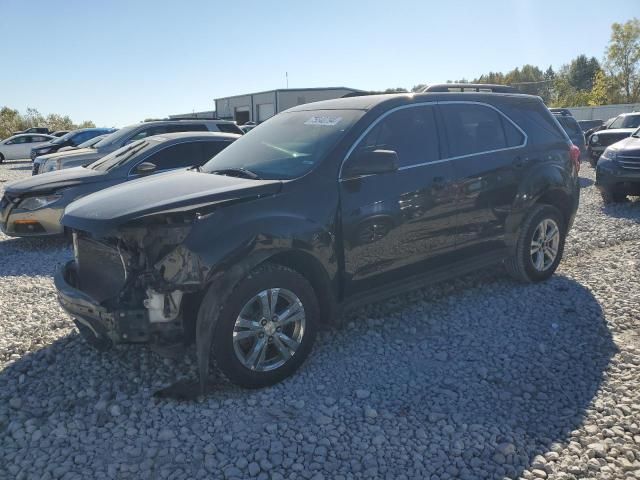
pixel 479 374
pixel 585 182
pixel 629 209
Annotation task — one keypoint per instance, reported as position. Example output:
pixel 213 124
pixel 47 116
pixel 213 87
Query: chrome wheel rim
pixel 269 329
pixel 544 245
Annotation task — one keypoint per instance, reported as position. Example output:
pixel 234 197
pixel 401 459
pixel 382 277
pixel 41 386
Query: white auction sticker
pixel 323 121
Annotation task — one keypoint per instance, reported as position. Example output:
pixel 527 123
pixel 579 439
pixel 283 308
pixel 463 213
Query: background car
pixel 132 133
pixel 587 125
pixel 71 139
pixel 34 206
pixel 571 126
pixel 618 169
pixel 43 130
pixel 19 146
pixel 59 133
pixel 623 126
pixel 89 143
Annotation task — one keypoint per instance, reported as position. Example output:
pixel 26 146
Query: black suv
pixel 618 170
pixel 324 206
pixel 622 127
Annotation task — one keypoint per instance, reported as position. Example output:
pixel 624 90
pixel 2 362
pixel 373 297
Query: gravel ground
pixel 475 378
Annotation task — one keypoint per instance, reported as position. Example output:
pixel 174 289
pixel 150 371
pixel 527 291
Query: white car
pixel 19 146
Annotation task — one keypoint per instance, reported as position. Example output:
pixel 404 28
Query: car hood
pixel 67 153
pixel 52 181
pixel 182 190
pixel 628 146
pixel 620 132
pixel 44 145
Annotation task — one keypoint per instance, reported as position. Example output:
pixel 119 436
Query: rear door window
pixel 187 127
pixel 472 129
pixel 228 128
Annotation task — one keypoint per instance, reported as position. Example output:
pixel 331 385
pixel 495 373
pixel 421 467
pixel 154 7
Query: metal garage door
pixel 265 110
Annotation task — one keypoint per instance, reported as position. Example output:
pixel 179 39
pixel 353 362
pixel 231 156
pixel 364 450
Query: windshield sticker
pixel 323 121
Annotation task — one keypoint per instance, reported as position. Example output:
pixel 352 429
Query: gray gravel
pixel 475 378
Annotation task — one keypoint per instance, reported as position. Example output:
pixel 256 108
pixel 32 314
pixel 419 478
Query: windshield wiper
pixel 237 172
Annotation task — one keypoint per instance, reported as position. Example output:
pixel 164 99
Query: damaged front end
pixel 131 286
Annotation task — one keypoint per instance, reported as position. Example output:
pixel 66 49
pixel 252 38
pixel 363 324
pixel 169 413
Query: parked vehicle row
pixel 34 206
pixel 621 127
pixel 320 207
pixel 70 139
pixel 127 135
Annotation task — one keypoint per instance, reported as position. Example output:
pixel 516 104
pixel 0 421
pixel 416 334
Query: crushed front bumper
pixel 110 326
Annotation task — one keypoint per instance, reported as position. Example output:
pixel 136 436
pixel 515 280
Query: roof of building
pixel 290 90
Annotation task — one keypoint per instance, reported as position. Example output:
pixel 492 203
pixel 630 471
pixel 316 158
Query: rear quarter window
pixel 228 128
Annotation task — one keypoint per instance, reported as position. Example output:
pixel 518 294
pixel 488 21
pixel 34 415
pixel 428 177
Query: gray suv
pixel 126 135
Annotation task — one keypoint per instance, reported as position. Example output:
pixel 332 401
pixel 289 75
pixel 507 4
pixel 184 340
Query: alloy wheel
pixel 269 329
pixel 545 244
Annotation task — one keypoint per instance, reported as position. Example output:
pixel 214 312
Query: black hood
pixel 628 146
pixel 43 145
pixel 52 181
pixel 108 209
pixel 609 136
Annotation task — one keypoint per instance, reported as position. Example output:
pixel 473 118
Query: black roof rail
pixel 565 112
pixel 470 87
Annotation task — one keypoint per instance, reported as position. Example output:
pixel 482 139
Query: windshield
pixel 626 121
pixel 116 136
pixel 636 133
pixel 91 142
pixel 122 155
pixel 287 145
pixel 63 138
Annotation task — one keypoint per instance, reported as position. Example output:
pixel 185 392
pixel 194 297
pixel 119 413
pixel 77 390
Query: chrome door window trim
pixel 442 160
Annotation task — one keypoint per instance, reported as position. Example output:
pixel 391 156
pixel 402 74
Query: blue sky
pixel 118 62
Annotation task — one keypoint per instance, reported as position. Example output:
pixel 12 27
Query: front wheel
pixel 1 158
pixel 266 328
pixel 539 247
pixel 609 195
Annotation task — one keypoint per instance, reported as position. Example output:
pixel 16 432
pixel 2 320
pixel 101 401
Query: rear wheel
pixel 1 158
pixel 266 328
pixel 540 245
pixel 609 195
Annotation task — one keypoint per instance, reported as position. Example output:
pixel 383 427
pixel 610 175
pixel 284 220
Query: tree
pixel 396 90
pixel 12 121
pixel 418 88
pixel 623 57
pixel 603 91
pixel 582 72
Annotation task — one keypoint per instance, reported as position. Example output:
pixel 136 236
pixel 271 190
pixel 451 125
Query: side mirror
pixel 371 162
pixel 145 168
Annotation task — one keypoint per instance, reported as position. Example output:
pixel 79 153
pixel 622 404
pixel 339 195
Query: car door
pixel 23 147
pixel 397 224
pixel 485 148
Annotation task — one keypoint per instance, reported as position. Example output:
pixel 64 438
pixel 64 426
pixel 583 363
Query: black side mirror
pixel 145 168
pixel 371 162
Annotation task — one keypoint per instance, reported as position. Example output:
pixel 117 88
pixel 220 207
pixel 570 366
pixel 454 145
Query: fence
pixel 603 112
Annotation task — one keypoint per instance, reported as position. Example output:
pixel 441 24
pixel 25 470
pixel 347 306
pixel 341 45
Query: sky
pixel 119 62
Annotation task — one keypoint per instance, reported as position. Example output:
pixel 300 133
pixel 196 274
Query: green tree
pixel 623 57
pixel 582 72
pixel 418 88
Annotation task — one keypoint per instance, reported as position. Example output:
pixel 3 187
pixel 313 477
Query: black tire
pixel 264 277
pixel 609 195
pixel 1 158
pixel 520 266
pixel 593 161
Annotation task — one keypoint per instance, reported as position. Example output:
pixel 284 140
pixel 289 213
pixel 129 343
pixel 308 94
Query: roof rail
pixel 565 112
pixel 470 87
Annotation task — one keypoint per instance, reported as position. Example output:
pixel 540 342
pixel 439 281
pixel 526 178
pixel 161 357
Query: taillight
pixel 574 153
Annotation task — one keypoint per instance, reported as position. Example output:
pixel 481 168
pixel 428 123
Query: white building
pixel 257 107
